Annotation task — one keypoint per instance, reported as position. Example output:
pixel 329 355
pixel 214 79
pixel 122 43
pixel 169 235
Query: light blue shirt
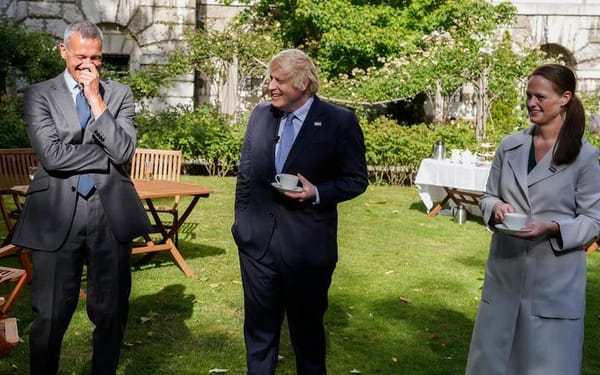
pixel 72 85
pixel 300 115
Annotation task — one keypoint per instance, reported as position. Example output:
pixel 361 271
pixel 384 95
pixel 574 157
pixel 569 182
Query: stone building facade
pixel 136 32
pixel 140 32
pixel 569 28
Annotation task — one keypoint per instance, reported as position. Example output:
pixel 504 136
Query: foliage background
pixel 370 54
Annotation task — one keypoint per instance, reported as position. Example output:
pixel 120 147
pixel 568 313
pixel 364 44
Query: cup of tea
pixel 286 180
pixel 514 220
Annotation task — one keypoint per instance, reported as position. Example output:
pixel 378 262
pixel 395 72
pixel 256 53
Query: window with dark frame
pixel 115 64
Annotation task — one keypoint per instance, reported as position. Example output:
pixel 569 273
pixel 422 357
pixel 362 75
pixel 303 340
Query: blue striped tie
pixel 287 140
pixel 86 183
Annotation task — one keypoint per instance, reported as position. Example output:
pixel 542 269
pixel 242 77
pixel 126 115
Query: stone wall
pixel 143 29
pixel 573 25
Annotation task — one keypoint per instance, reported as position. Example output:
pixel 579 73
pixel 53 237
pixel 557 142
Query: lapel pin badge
pixel 552 169
pixel 318 123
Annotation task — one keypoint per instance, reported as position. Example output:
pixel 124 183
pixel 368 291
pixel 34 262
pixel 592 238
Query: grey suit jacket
pixel 65 152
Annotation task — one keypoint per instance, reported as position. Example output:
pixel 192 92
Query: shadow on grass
pixel 471 261
pixel 157 327
pixel 419 206
pixel 189 250
pixel 411 338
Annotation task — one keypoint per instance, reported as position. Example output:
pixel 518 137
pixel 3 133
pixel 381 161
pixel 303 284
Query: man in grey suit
pixel 287 240
pixel 81 207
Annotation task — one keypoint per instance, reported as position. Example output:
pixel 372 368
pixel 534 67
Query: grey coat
pixel 529 280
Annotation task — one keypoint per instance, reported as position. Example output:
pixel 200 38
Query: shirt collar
pixel 71 83
pixel 302 112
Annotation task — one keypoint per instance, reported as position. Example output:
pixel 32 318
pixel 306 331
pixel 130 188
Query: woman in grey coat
pixel 530 318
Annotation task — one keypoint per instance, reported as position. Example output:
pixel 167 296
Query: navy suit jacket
pixel 329 151
pixel 65 152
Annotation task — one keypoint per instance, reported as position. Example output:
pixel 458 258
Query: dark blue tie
pixel 86 183
pixel 287 140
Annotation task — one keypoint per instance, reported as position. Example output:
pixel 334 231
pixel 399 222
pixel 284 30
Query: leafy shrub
pixel 26 55
pixel 202 135
pixel 12 124
pixel 394 151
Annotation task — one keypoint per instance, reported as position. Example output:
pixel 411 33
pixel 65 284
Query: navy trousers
pixel 273 289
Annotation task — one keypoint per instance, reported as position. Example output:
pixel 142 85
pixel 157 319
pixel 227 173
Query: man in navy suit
pixel 288 240
pixel 82 130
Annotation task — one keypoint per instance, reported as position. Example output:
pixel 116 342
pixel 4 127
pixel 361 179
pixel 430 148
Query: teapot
pixel 467 157
pixel 438 151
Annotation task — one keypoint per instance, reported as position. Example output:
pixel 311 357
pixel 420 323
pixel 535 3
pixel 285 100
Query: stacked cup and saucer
pixel 286 183
pixel 513 223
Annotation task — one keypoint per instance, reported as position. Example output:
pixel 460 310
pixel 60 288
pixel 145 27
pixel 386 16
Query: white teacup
pixel 514 220
pixel 287 181
pixel 455 155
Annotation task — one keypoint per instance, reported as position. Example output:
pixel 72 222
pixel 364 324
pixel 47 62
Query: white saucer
pixel 504 229
pixel 297 189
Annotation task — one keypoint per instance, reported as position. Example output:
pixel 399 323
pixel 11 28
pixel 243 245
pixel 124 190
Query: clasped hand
pixel 89 78
pixel 308 192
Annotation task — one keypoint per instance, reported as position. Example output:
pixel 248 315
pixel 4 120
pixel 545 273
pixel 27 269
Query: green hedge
pixel 12 124
pixel 214 141
pixel 394 151
pixel 211 143
pixel 205 137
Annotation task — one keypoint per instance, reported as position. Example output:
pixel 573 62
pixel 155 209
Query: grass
pixel 403 299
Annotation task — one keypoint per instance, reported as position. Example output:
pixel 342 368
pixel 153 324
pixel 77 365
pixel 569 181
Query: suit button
pixel 73 188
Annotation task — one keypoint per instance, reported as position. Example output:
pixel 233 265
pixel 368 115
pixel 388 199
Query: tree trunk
pixel 438 104
pixel 482 104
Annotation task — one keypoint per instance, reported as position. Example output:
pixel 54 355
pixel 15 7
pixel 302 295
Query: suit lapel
pixel 271 133
pixel 517 156
pixel 64 102
pixel 312 124
pixel 544 169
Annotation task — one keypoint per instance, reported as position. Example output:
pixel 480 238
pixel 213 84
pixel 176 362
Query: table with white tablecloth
pixel 443 181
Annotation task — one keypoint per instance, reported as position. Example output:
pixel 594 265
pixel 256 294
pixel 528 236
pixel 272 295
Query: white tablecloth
pixel 434 175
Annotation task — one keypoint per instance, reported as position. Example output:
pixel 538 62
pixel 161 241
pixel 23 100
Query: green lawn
pixel 403 299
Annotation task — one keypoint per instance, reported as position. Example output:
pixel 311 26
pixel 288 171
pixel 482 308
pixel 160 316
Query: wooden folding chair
pixel 159 165
pixel 14 170
pixel 19 276
pixel 592 246
pixel 9 335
